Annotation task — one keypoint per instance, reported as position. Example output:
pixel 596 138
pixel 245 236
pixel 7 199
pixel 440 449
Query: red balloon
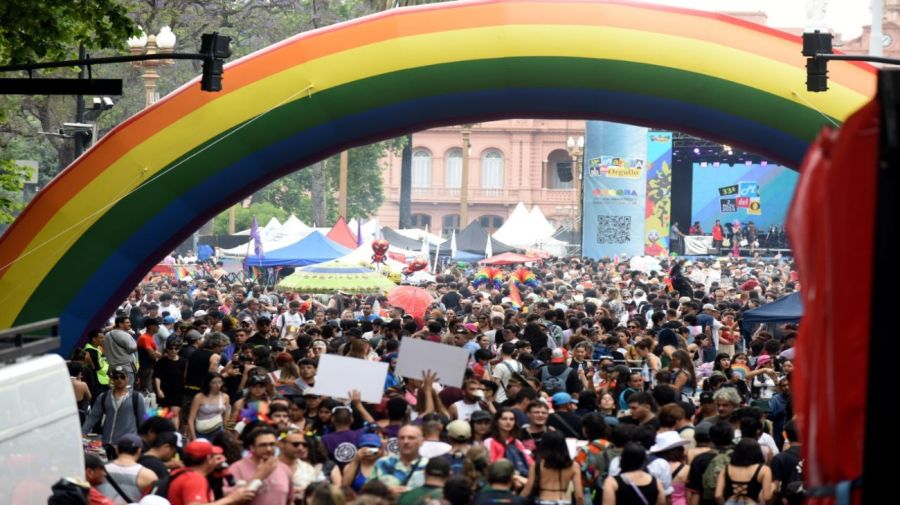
pixel 418 264
pixel 380 247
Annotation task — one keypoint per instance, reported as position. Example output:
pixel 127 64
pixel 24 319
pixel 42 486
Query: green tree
pixel 243 217
pixel 36 30
pixel 12 181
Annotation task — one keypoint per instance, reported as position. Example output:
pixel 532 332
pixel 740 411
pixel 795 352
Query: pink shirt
pixel 277 489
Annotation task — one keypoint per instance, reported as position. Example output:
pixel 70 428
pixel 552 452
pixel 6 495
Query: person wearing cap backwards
pixel 132 479
pixel 437 471
pixel 560 375
pixel 459 434
pixel 189 486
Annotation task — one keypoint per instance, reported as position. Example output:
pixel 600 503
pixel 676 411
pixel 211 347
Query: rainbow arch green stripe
pixel 97 228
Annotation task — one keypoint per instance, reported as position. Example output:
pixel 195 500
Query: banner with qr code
pixel 615 190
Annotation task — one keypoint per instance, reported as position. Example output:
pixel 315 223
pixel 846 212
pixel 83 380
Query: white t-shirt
pixel 287 320
pixel 503 372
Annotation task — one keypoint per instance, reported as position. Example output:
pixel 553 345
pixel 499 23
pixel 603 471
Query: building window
pixel 559 163
pixel 421 221
pixel 453 168
pixel 450 224
pixel 421 168
pixel 490 223
pixel 492 170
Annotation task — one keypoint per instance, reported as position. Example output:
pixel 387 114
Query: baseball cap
pixel 459 430
pixel 168 320
pixel 369 440
pixel 118 370
pixel 684 299
pixel 480 415
pixel 200 448
pixel 200 313
pixel 560 399
pixel 257 379
pixel 129 441
pixel 168 437
pixel 709 306
pixel 558 356
pixel 437 467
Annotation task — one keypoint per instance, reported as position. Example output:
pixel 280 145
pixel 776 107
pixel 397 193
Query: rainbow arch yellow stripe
pixel 90 235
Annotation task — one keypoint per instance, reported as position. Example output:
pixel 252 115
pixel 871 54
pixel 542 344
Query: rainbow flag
pixel 181 272
pixel 514 295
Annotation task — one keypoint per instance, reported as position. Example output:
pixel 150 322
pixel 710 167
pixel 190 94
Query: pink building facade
pixel 510 161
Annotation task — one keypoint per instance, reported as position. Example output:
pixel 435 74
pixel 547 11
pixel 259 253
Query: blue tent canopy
pixel 468 257
pixel 787 309
pixel 314 248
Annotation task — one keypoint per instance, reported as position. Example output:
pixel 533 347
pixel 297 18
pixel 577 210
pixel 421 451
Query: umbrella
pixel 334 276
pixel 415 301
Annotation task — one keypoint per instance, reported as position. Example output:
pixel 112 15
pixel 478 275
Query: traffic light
pixel 215 48
pixel 816 68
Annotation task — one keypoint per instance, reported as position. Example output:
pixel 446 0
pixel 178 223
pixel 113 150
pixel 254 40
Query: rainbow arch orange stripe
pixel 90 235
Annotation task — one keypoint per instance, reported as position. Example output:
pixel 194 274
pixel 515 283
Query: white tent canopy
pixel 539 222
pixel 293 226
pixel 273 238
pixel 530 230
pixel 417 234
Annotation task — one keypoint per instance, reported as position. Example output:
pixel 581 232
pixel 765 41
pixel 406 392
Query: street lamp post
pixel 464 182
pixel 163 42
pixel 576 151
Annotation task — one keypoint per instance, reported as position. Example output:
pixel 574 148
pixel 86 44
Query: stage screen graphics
pixel 760 193
pixel 615 189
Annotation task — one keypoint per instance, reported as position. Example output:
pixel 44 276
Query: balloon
pixel 418 264
pixel 380 247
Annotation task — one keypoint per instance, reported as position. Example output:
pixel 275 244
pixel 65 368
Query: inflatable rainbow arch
pixel 93 232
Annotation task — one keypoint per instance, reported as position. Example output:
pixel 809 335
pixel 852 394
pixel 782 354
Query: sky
pixel 846 17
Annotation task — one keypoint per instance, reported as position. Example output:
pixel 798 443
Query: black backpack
pixel 553 384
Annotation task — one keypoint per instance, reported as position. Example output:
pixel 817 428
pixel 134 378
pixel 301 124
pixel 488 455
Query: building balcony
pixel 569 195
pixel 504 196
pixel 452 195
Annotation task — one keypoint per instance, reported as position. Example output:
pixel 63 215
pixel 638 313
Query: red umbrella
pixel 415 301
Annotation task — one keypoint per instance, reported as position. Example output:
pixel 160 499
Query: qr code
pixel 613 229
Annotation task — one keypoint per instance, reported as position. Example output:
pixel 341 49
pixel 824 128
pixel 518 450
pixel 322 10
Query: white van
pixel 40 432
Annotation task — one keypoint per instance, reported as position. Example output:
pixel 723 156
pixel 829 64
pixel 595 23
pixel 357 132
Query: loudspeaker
pixel 564 171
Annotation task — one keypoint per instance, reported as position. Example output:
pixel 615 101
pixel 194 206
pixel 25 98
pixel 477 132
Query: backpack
pixel 553 384
pixel 792 489
pixel 596 466
pixel 711 474
pixel 134 405
pixel 69 492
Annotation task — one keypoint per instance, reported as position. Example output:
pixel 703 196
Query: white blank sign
pixel 417 355
pixel 336 376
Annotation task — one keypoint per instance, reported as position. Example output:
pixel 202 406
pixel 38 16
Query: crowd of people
pixel 605 385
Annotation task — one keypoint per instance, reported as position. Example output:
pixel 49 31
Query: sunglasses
pixel 299 444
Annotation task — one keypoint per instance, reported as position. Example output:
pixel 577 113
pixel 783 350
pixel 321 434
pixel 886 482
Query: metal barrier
pixel 30 339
